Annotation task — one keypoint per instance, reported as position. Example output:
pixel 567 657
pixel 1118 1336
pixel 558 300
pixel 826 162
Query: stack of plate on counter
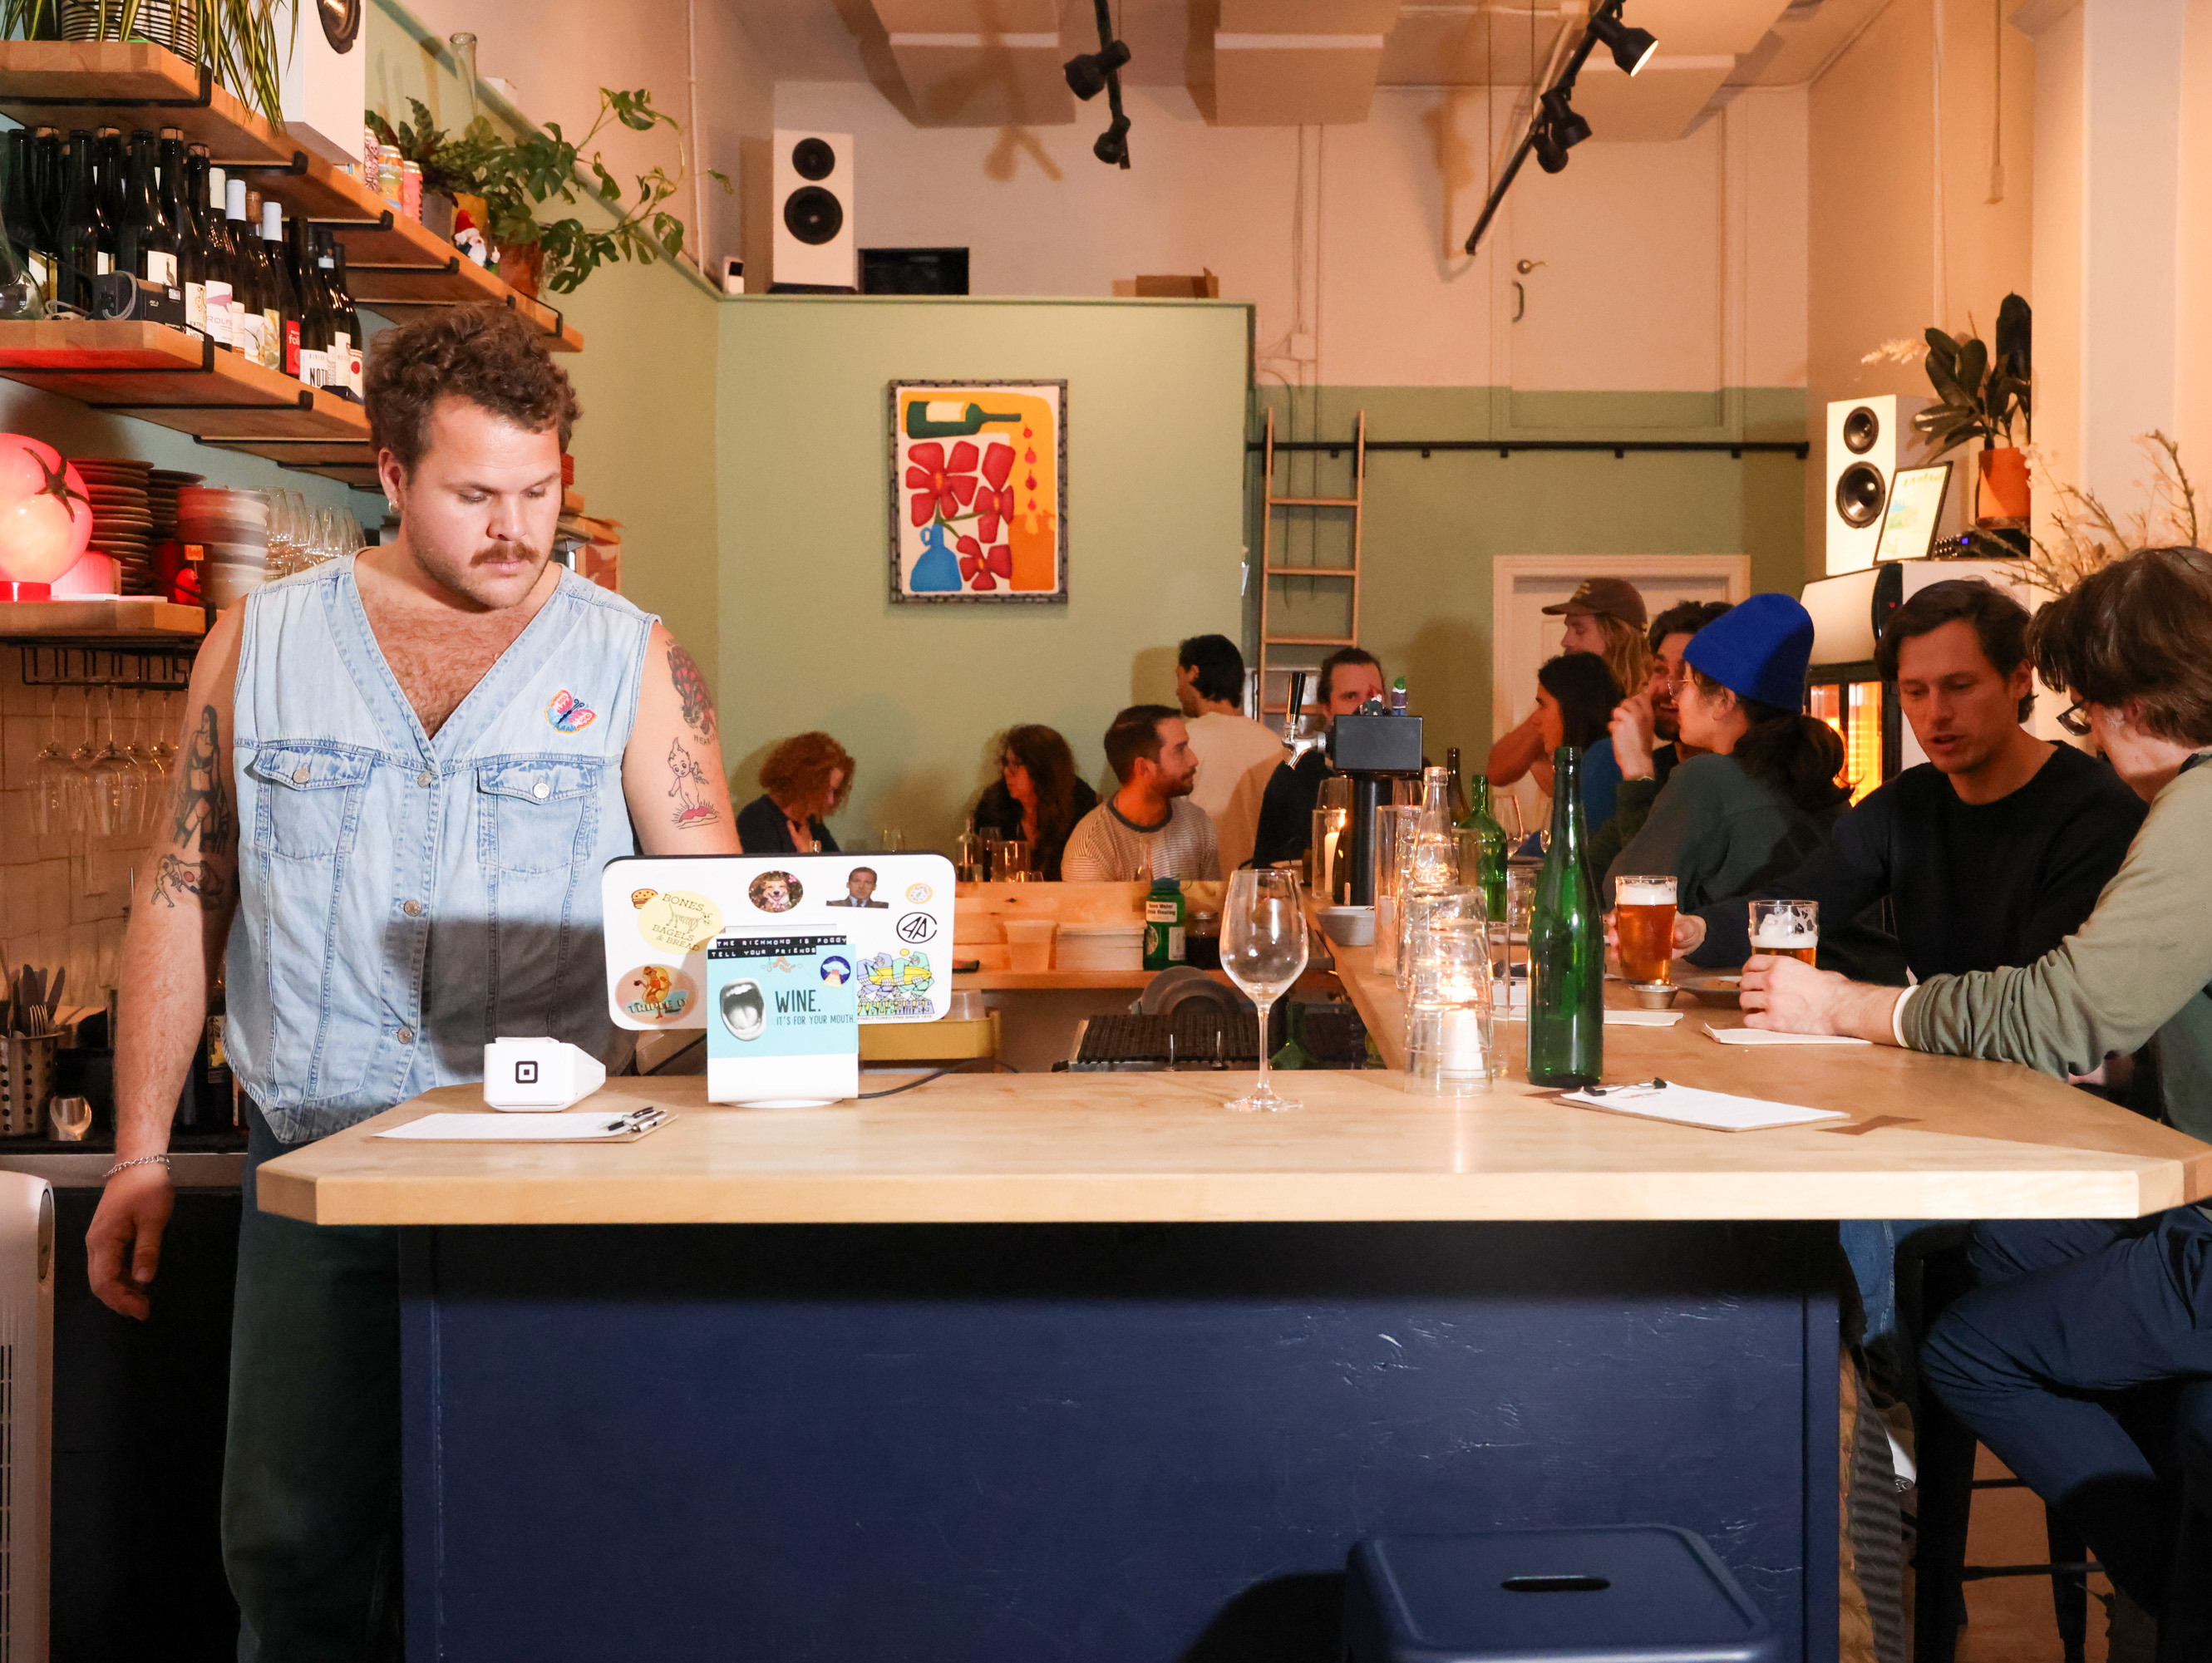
pixel 232 529
pixel 122 521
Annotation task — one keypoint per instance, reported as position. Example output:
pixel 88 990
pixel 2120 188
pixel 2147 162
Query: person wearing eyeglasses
pixel 2070 1316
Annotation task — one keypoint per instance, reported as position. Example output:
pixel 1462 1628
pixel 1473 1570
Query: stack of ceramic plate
pixel 232 529
pixel 121 523
pixel 161 487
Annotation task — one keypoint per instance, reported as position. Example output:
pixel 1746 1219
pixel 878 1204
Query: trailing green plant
pixel 516 177
pixel 238 38
pixel 1977 392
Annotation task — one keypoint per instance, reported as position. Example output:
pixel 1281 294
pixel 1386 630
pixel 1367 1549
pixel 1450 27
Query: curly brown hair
pixel 486 354
pixel 2135 631
pixel 798 769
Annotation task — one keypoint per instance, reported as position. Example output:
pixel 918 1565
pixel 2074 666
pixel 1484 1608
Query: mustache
pixel 528 551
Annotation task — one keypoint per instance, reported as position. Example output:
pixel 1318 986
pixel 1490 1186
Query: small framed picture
pixel 979 491
pixel 1915 512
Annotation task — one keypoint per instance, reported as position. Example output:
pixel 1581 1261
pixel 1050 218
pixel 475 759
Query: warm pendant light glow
pixel 46 516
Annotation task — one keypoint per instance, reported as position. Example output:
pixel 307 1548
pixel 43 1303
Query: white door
pixel 1522 637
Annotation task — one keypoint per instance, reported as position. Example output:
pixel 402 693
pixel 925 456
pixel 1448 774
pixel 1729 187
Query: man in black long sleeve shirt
pixel 1993 851
pixel 1349 679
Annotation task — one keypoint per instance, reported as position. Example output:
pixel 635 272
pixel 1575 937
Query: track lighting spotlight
pixel 1113 145
pixel 1086 72
pixel 1089 74
pixel 1554 127
pixel 1632 47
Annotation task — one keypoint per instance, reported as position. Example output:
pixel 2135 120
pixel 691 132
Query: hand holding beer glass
pixel 1644 928
pixel 1786 929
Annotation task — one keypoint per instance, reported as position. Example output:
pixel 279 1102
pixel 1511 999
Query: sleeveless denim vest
pixel 405 899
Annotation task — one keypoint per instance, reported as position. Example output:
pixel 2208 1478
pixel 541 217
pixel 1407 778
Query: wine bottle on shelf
pixel 300 257
pixel 144 245
pixel 108 173
pixel 247 326
pixel 1566 947
pixel 170 181
pixel 191 237
pixel 280 302
pixel 346 323
pixel 16 196
pixel 47 178
pixel 81 257
pixel 1458 791
pixel 215 268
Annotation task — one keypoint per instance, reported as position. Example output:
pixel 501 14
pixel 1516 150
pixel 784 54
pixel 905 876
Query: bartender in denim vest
pixel 403 772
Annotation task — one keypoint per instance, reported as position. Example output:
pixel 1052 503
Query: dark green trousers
pixel 311 1465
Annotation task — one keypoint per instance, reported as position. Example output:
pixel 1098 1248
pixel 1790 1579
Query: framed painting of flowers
pixel 979 491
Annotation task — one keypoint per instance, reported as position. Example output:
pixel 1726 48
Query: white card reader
pixel 539 1075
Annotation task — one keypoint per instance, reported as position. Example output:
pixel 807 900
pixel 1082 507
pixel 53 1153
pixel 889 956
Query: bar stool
pixel 1635 1594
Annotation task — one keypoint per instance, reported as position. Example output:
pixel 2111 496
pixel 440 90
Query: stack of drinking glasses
pixel 1443 966
pixel 1394 855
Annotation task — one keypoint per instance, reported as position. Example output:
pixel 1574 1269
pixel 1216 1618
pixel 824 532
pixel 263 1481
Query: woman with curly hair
pixel 1038 796
pixel 805 777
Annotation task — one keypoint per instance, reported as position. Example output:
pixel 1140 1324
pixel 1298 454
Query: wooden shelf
pixel 177 381
pixel 103 619
pixel 107 83
pixel 398 267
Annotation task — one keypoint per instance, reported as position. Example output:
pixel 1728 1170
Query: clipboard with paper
pixel 1689 1105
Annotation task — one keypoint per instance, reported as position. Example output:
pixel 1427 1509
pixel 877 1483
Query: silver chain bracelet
pixel 125 1166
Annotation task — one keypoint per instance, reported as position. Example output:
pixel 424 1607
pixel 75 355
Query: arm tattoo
pixel 203 818
pixel 692 808
pixel 691 690
pixel 173 878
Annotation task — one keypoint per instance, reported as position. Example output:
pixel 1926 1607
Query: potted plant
pixel 514 178
pixel 1978 393
pixel 236 39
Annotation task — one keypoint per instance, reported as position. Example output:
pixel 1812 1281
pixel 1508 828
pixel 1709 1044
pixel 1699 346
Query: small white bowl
pixel 1349 926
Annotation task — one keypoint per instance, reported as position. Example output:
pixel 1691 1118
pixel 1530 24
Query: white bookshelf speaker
pixel 1868 441
pixel 324 80
pixel 26 1390
pixel 814 246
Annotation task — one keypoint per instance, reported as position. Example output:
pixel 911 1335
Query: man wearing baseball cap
pixel 1604 616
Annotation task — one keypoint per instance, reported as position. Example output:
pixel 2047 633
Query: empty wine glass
pixel 81 819
pixel 115 783
pixel 50 775
pixel 1263 949
pixel 141 748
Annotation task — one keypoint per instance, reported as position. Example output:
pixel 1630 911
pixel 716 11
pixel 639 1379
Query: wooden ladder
pixel 1270 574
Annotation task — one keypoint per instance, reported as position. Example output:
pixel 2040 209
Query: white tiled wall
pixel 63 898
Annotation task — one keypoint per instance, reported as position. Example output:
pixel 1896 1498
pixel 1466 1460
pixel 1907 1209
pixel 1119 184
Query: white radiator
pixel 27 1387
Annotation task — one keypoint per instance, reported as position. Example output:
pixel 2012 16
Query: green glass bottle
pixel 1479 829
pixel 944 419
pixel 1566 947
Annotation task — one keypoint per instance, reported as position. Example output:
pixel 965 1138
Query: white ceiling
pixel 1706 47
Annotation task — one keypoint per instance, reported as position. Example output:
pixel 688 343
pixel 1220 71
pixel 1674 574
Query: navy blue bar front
pixel 1128 1443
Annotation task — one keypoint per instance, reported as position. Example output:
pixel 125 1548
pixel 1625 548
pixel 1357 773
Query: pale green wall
pixel 1432 525
pixel 1156 415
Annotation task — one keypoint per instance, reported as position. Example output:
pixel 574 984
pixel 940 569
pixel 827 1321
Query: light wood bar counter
pixel 1930 1138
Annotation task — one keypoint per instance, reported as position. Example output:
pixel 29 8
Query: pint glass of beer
pixel 1786 929
pixel 1643 923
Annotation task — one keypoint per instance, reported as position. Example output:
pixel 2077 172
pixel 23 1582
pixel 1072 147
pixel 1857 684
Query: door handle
pixel 1520 301
pixel 1524 267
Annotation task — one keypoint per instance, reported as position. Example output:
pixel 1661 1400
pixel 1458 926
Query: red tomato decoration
pixel 46 516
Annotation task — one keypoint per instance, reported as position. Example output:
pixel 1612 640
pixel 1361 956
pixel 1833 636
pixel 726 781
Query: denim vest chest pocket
pixel 536 815
pixel 308 807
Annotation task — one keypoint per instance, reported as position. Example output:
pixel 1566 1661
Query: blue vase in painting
pixel 937 572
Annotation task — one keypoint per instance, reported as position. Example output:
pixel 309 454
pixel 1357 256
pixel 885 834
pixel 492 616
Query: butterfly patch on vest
pixel 568 714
